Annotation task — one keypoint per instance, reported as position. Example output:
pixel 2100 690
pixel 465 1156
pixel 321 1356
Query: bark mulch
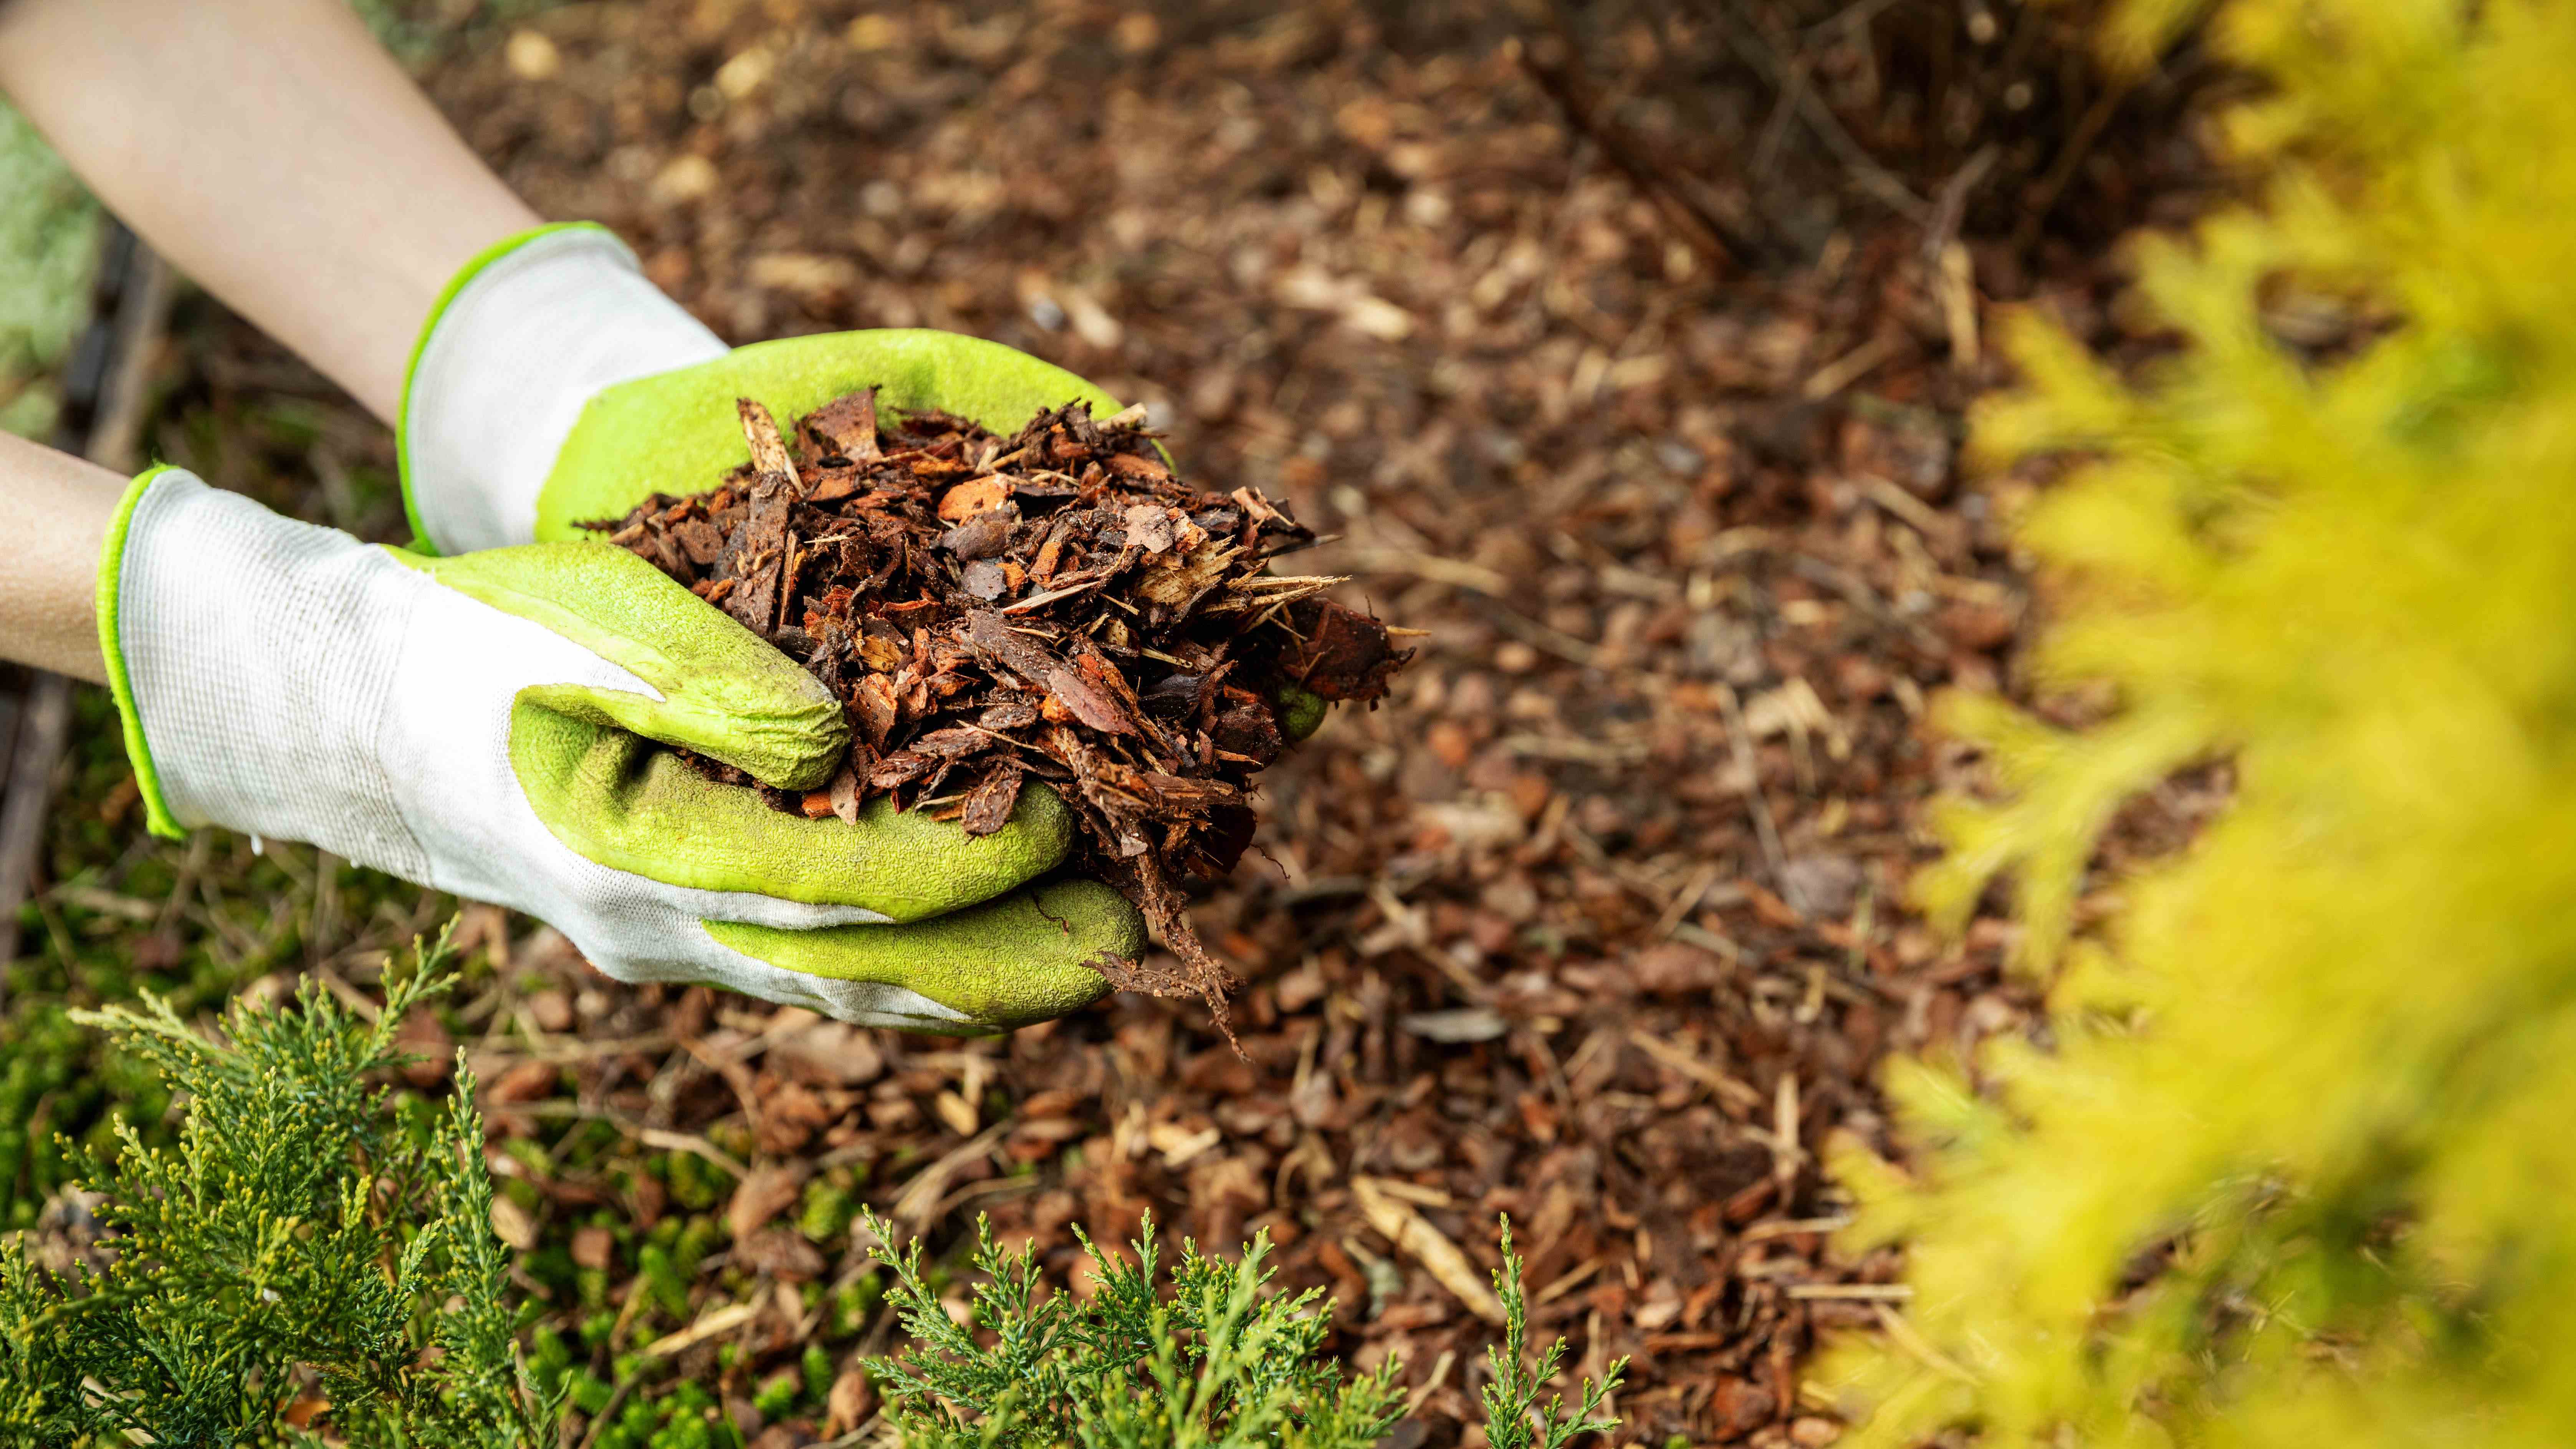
pixel 1056 605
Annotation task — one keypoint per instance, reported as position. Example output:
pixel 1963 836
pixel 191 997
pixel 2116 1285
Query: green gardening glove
pixel 482 724
pixel 553 385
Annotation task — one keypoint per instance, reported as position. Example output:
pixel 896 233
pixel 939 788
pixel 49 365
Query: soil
pixel 1056 605
pixel 1628 353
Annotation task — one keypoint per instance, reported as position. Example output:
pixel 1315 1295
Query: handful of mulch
pixel 1051 606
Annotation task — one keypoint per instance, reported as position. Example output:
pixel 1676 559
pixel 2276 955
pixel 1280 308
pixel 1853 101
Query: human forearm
pixel 58 508
pixel 273 152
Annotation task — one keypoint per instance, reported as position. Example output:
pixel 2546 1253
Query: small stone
pixel 852 1400
pixel 745 73
pixel 526 1082
pixel 829 1054
pixel 425 1038
pixel 779 1253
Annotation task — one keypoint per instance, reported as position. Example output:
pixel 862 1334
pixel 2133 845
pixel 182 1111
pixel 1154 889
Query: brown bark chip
pixel 845 427
pixel 1055 605
pixel 762 1196
pixel 988 805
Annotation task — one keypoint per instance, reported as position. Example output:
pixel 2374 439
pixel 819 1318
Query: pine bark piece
pixel 1415 1238
pixel 873 703
pixel 768 449
pixel 989 805
pixel 1080 698
pixel 1343 654
pixel 698 540
pixel 969 499
pixel 846 427
pixel 1249 733
pixel 758 552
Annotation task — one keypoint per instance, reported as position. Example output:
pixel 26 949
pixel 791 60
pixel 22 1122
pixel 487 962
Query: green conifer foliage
pixel 2292 1170
pixel 1216 1364
pixel 1213 1364
pixel 294 1239
pixel 1513 1418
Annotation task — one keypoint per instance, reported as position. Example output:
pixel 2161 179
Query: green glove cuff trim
pixel 677 432
pixel 1004 964
pixel 421 542
pixel 615 798
pixel 725 691
pixel 111 566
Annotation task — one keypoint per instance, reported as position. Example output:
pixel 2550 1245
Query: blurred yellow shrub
pixel 2297 1167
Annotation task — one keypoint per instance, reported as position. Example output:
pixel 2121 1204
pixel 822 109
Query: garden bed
pixel 1598 921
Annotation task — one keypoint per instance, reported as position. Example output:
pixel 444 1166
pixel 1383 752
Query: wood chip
pixel 713 1324
pixel 763 1195
pixel 1415 1238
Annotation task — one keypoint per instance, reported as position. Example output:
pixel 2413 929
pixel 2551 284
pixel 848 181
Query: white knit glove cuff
pixel 527 335
pixel 257 654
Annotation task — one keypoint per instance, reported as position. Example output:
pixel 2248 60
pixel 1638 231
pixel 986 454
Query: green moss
pixel 825 1212
pixel 665 1287
pixel 696 1184
pixel 778 1394
pixel 698 1237
pixel 815 1368
pixel 591 1393
pixel 598 1328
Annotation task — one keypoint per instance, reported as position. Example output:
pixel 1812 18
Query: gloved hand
pixel 478 723
pixel 554 385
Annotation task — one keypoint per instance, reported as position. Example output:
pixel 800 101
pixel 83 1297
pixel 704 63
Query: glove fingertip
pixel 1023 958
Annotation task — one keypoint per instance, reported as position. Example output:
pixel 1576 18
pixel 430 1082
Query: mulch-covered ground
pixel 1598 921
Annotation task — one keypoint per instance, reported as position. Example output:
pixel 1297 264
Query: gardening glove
pixel 554 385
pixel 479 723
